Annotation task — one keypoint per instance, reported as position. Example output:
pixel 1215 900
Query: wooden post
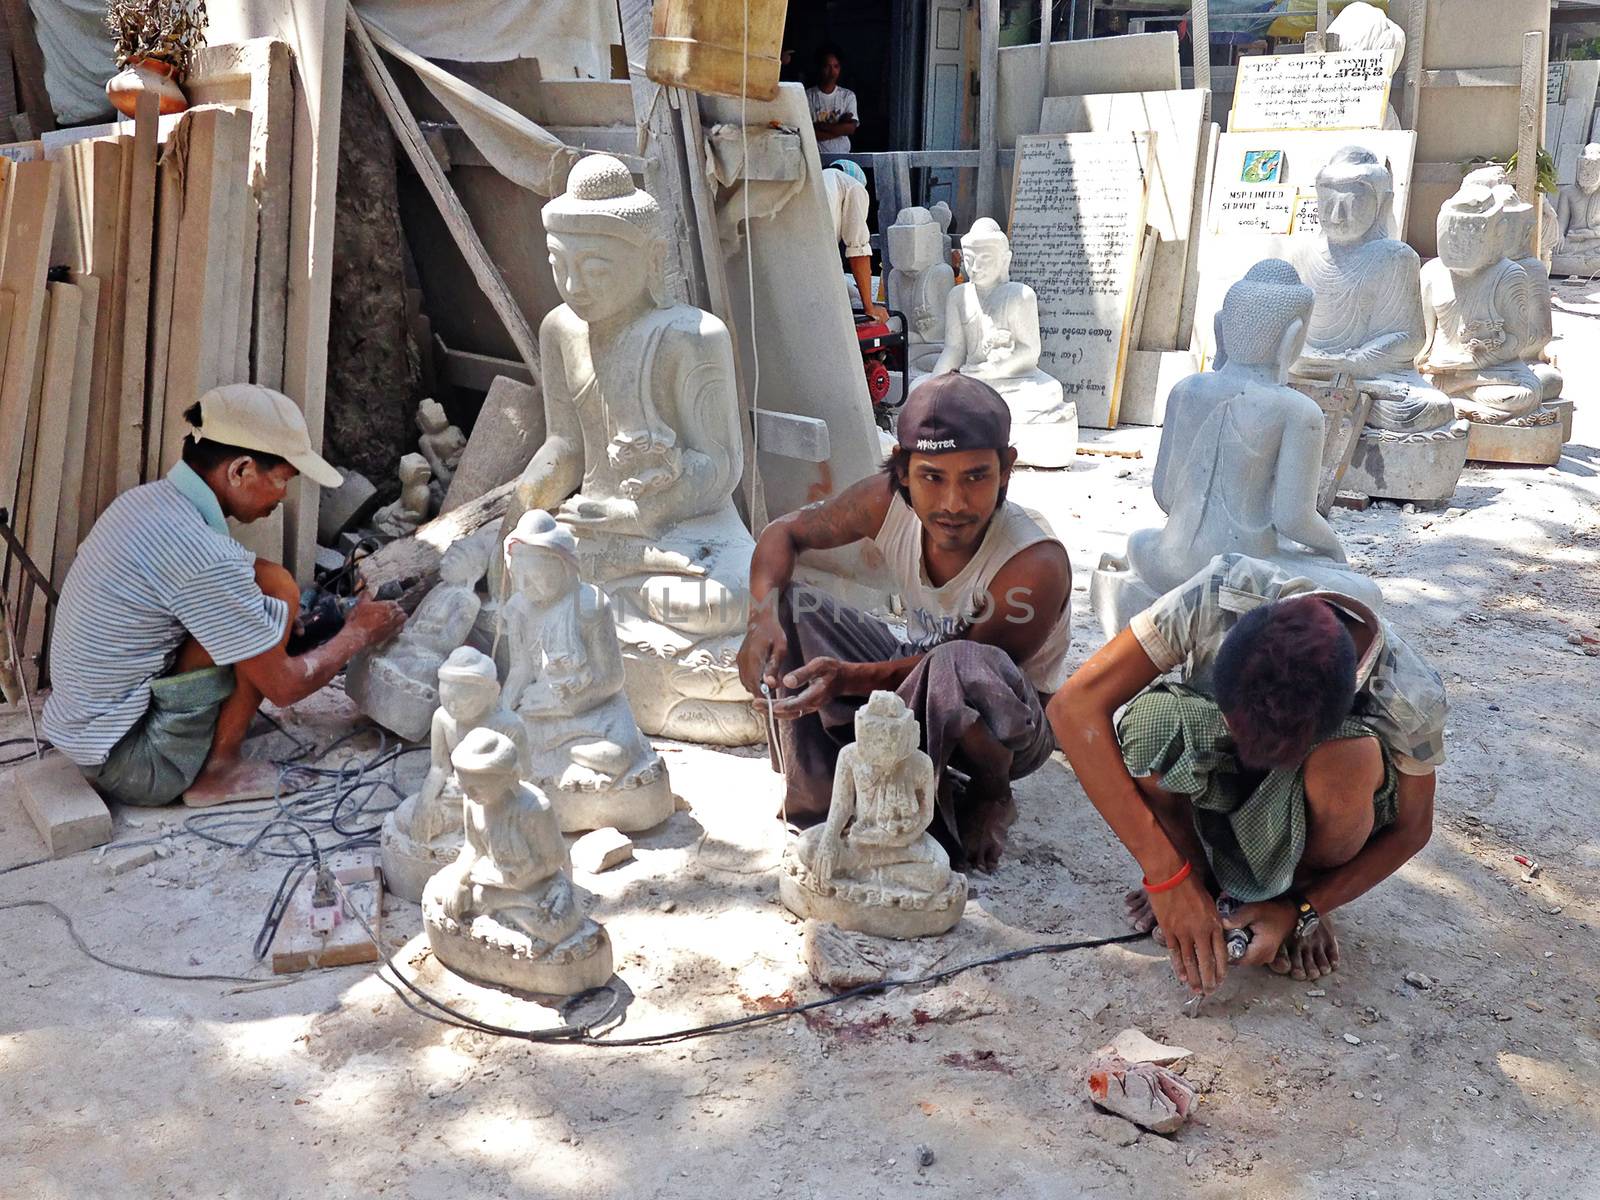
pixel 1530 123
pixel 665 173
pixel 1200 37
pixel 1322 16
pixel 411 139
pixel 1411 65
pixel 988 199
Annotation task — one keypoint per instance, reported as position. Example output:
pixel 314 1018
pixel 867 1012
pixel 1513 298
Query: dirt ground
pixel 1483 1085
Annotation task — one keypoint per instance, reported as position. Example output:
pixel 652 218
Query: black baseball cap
pixel 953 412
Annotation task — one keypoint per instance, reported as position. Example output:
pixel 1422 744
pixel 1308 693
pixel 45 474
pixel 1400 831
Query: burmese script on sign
pixel 1077 219
pixel 1345 90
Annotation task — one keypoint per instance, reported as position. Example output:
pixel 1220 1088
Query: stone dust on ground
pixel 1479 1084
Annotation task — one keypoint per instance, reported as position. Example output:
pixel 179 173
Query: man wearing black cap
pixel 986 591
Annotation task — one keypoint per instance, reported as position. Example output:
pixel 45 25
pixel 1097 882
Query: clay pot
pixel 146 75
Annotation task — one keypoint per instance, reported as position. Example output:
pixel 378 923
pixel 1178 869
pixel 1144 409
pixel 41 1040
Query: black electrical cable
pixel 42 746
pixel 582 1035
pixel 72 932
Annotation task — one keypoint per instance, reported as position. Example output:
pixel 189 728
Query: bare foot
pixel 1141 916
pixel 1310 957
pixel 985 829
pixel 227 783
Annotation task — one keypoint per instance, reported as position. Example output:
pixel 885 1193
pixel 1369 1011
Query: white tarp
pixel 570 38
pixel 77 57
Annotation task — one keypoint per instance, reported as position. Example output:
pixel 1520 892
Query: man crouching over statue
pixel 986 590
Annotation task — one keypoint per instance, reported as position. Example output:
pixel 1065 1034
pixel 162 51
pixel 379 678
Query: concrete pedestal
pixel 1534 440
pixel 1116 594
pixel 630 810
pixel 490 953
pixel 887 920
pixel 409 864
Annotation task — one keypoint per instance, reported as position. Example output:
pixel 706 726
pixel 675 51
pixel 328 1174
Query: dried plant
pixel 168 30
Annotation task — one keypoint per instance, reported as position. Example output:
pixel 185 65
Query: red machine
pixel 883 351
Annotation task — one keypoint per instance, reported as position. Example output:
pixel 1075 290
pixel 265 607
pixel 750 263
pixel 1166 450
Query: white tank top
pixel 941 614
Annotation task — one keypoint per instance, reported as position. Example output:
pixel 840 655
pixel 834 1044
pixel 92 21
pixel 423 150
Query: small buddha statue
pixel 424 833
pixel 403 517
pixel 643 449
pixel 397 684
pixel 505 912
pixel 1578 219
pixel 442 444
pixel 991 332
pixel 1240 461
pixel 920 281
pixel 872 866
pixel 565 682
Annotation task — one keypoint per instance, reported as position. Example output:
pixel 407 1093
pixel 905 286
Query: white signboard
pixel 1077 227
pixel 1252 208
pixel 1348 89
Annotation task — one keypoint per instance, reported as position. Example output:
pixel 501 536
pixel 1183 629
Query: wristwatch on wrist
pixel 1306 917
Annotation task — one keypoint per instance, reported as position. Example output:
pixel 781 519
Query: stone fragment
pixel 872 866
pixel 121 864
pixel 1135 1046
pixel 346 505
pixel 67 812
pixel 504 439
pixel 1418 980
pixel 601 850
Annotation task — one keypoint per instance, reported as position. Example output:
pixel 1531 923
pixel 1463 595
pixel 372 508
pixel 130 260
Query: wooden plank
pixel 114 454
pixel 1416 24
pixel 257 75
pixel 1200 39
pixel 132 430
pixel 477 372
pixel 98 164
pixel 988 96
pixel 29 224
pixel 69 513
pixel 60 362
pixel 21 595
pixel 297 948
pixel 169 214
pixel 1530 122
pixel 29 63
pixel 455 216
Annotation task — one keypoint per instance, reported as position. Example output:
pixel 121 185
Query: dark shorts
pixel 158 759
pixel 1253 823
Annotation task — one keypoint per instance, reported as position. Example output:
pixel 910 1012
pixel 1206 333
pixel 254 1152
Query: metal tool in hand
pixel 777 750
pixel 1238 943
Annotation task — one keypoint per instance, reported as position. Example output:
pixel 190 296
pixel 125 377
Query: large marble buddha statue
pixel 1367 319
pixel 1578 219
pixel 643 449
pixel 920 282
pixel 991 332
pixel 1239 463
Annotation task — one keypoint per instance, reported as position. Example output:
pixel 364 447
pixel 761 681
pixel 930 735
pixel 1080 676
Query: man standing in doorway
pixel 833 108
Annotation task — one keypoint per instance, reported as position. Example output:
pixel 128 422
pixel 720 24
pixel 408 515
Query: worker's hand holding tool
pixel 376 620
pixel 761 657
pixel 1269 925
pixel 1188 917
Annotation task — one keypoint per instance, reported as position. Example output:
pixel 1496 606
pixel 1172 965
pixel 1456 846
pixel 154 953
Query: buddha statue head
pixel 431 417
pixel 414 470
pixel 1472 227
pixel 1354 194
pixel 486 763
pixel 1589 169
pixel 986 254
pixel 1363 26
pixel 469 688
pixel 599 232
pixel 1264 317
pixel 886 730
pixel 541 557
pixel 915 240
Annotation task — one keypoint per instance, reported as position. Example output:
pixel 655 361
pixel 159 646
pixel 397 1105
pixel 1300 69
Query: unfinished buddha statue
pixel 872 866
pixel 565 682
pixel 642 451
pixel 505 912
pixel 920 281
pixel 1363 26
pixel 397 684
pixel 1239 462
pixel 991 332
pixel 440 442
pixel 424 833
pixel 402 518
pixel 1488 318
pixel 1367 323
pixel 1578 219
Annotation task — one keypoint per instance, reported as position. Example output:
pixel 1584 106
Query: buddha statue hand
pixel 997 343
pixel 573 686
pixel 1484 337
pixel 603 510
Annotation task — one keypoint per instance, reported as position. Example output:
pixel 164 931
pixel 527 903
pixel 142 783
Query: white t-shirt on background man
pixel 827 107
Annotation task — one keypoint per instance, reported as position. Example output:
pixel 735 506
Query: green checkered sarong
pixel 1253 823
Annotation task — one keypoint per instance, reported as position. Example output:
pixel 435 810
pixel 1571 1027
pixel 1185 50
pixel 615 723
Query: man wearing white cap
pixel 169 633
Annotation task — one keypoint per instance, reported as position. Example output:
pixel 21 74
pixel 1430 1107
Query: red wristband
pixel 1153 889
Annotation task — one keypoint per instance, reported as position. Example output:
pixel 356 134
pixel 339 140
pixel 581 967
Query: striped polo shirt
pixel 158 567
